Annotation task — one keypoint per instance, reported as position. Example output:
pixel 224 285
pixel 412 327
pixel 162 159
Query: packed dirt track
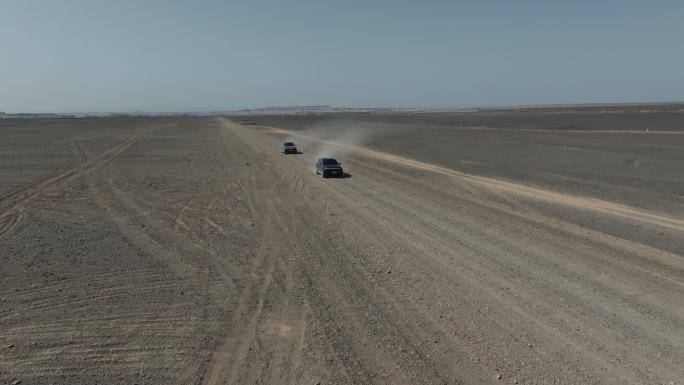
pixel 191 251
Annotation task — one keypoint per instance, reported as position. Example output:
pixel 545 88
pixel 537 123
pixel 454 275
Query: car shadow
pixel 343 176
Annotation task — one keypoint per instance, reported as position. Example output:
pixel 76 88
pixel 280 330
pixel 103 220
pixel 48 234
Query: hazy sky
pixel 169 55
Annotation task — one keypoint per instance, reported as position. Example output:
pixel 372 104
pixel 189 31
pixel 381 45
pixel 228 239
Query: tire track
pixel 336 303
pixel 240 331
pixel 13 204
pixel 173 249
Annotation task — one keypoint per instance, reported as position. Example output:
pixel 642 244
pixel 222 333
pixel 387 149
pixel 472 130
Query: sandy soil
pixel 190 251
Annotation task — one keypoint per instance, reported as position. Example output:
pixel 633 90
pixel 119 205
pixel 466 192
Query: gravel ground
pixel 190 251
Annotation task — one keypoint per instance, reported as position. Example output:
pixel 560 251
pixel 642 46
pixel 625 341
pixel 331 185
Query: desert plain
pixel 461 248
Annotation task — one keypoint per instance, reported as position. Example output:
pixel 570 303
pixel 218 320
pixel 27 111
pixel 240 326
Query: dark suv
pixel 328 167
pixel 289 148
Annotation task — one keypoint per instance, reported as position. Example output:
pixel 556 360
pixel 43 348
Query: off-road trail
pixel 190 251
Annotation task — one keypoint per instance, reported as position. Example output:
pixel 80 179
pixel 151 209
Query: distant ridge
pixel 669 107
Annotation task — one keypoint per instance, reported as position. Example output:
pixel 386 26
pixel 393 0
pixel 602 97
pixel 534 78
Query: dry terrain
pixel 459 250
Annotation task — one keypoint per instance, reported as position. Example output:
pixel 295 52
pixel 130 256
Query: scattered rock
pixel 498 376
pixel 16 382
pixel 10 346
pixel 389 271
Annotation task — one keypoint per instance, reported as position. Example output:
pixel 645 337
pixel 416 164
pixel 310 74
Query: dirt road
pixel 189 251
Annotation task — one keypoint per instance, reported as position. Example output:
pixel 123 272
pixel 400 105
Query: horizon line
pixel 330 107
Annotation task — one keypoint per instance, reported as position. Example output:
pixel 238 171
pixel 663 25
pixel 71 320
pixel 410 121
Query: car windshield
pixel 329 162
pixel 288 144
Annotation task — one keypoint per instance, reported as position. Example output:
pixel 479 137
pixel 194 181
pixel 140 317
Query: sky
pixel 148 55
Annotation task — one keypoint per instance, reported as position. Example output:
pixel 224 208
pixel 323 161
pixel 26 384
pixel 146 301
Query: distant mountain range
pixel 673 107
